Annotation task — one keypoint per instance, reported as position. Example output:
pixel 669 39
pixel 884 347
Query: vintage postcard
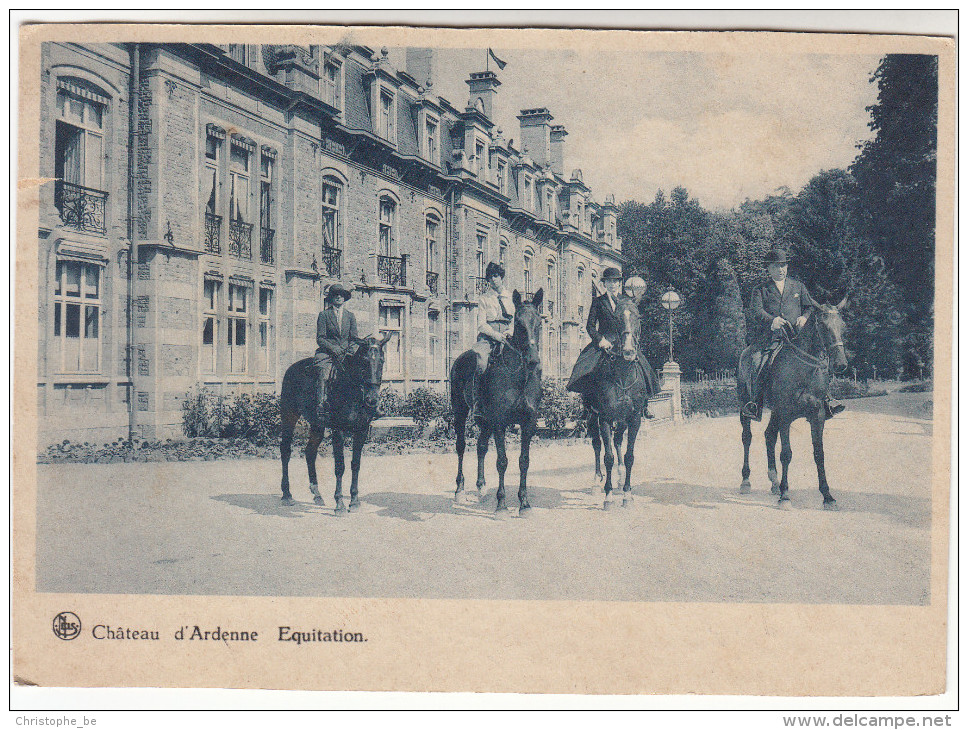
pixel 532 361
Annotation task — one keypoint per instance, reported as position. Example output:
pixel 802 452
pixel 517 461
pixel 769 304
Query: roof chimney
pixel 536 134
pixel 483 85
pixel 421 65
pixel 558 134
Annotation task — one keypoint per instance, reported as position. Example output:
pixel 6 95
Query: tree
pixel 896 179
pixel 722 335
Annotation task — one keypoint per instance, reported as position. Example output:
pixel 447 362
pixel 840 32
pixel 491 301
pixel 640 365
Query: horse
pixel 796 388
pixel 509 394
pixel 615 401
pixel 354 394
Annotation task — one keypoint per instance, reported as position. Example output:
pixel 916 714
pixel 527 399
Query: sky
pixel 727 127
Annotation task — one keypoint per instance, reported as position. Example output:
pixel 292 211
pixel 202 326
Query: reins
pixel 812 361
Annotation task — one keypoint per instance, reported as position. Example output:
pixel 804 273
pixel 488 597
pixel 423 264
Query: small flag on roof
pixel 500 64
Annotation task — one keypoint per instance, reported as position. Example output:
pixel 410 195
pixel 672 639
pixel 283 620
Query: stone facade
pixel 255 177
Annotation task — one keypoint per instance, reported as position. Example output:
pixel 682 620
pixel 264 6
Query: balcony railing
pixel 481 284
pixel 267 251
pixel 550 306
pixel 392 270
pixel 332 260
pixel 213 233
pixel 240 239
pixel 433 282
pixel 80 208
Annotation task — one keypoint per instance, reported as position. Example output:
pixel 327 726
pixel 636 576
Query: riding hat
pixel 338 289
pixel 494 269
pixel 611 274
pixel 776 256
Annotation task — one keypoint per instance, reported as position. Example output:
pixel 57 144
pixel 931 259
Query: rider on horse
pixel 336 332
pixel 780 306
pixel 605 327
pixel 495 311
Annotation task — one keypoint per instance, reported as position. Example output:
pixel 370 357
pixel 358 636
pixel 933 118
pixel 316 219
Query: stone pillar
pixel 672 382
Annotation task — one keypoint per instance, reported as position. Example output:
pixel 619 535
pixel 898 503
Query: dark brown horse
pixel 795 388
pixel 353 398
pixel 615 400
pixel 510 394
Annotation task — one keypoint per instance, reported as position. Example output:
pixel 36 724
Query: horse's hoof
pixel 354 506
pixel 288 501
pixel 608 504
pixel 501 510
pixel 318 500
pixel 745 487
pixel 774 489
pixel 340 508
pixel 831 506
pixel 785 504
pixel 627 500
pixel 524 511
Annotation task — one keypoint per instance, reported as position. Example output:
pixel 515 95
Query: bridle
pixel 805 357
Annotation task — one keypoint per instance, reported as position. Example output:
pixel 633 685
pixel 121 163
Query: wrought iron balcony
pixel 550 306
pixel 80 208
pixel 240 239
pixel 332 260
pixel 433 282
pixel 267 252
pixel 213 233
pixel 392 270
pixel 481 284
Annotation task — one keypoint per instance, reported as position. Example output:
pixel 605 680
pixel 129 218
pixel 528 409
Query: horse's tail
pixel 461 373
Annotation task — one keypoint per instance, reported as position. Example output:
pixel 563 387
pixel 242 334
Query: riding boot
pixel 754 408
pixel 647 413
pixel 832 407
pixel 321 400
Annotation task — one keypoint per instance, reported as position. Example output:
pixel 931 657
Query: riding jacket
pixel 332 339
pixel 767 304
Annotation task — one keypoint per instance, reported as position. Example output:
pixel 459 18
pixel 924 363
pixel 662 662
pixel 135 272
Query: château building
pixel 204 196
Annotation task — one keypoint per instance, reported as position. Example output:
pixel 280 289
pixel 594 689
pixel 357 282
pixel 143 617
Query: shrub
pixel 208 414
pixel 844 389
pixel 391 403
pixel 709 399
pixel 424 404
pixel 924 386
pixel 558 407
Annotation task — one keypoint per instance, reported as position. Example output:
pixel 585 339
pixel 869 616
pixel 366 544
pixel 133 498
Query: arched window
pixel 502 255
pixel 79 150
pixel 550 289
pixel 332 225
pixel 528 282
pixel 388 215
pixel 432 250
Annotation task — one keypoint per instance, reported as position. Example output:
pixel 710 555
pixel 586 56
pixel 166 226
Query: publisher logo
pixel 67 625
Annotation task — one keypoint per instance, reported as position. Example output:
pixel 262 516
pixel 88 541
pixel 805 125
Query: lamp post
pixel 671 301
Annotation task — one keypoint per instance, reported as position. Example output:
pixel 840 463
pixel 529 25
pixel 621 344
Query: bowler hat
pixel 494 269
pixel 776 256
pixel 611 274
pixel 338 290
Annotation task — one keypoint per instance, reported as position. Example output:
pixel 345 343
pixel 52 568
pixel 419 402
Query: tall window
pixel 528 283
pixel 213 150
pixel 549 205
pixel 237 330
pixel 331 85
pixel 388 211
pixel 265 208
pixel 237 52
pixel 387 129
pixel 79 147
pixel 502 254
pixel 501 175
pixel 77 316
pixel 433 245
pixel 331 217
pixel 433 141
pixel 434 351
pixel 239 183
pixel 481 253
pixel 580 298
pixel 210 303
pixel 391 321
pixel 481 155
pixel 528 192
pixel 265 353
pixel 550 289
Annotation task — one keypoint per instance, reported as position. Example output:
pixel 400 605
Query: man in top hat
pixel 335 332
pixel 495 312
pixel 779 303
pixel 605 327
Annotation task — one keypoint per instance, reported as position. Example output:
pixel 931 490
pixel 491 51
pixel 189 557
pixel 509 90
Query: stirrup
pixel 832 407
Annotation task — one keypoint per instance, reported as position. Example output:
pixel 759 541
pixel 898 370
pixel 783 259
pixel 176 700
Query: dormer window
pixel 501 175
pixel 432 140
pixel 479 155
pixel 528 192
pixel 332 84
pixel 237 52
pixel 387 127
